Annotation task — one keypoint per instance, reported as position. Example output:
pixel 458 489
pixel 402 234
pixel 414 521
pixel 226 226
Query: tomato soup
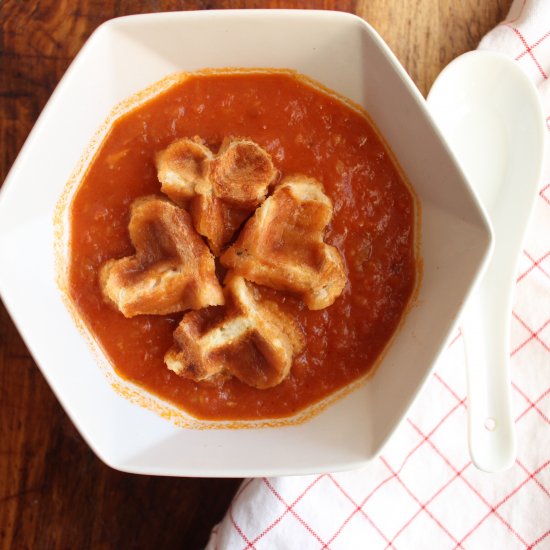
pixel 306 130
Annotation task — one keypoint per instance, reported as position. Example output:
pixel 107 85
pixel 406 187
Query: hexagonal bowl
pixel 128 54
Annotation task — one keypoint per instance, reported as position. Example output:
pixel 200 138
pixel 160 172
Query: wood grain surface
pixel 54 492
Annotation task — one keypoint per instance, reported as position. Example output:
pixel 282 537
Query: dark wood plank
pixel 54 493
pixel 426 35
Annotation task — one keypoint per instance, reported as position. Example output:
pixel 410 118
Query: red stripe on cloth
pixel 534 477
pixel 230 512
pixel 533 46
pixel 482 520
pixel 539 540
pixel 526 480
pixel 528 50
pixel 241 489
pixel 381 484
pixel 534 263
pixel 456 476
pixel 421 505
pixel 455 338
pixel 532 405
pixel 544 189
pixel 534 334
pixel 358 508
pixel 431 443
pixel 462 400
pixel 424 438
pixel 239 530
pixel 451 411
pixel 492 509
pixel 289 508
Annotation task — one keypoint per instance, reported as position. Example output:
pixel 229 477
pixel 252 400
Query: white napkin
pixel 424 492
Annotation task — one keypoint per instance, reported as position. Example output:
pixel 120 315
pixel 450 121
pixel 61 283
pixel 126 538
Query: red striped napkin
pixel 424 491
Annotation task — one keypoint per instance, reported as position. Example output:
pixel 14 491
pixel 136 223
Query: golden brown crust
pixel 222 190
pixel 216 220
pixel 172 269
pixel 241 173
pixel 254 340
pixel 180 167
pixel 282 245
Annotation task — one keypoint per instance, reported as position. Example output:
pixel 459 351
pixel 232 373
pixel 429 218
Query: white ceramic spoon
pixel 491 116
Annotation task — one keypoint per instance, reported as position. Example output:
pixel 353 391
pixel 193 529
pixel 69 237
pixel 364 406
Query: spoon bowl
pixel 490 114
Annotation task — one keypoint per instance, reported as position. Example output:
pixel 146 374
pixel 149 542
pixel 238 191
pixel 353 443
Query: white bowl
pixel 128 54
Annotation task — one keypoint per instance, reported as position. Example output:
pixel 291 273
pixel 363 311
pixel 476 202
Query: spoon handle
pixel 485 328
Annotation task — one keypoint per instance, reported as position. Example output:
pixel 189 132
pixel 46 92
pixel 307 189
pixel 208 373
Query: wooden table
pixel 54 492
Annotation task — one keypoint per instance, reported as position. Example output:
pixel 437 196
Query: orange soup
pixel 306 130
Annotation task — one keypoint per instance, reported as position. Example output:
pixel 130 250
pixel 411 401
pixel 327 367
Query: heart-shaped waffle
pixel 222 190
pixel 282 245
pixel 251 339
pixel 180 167
pixel 241 173
pixel 172 269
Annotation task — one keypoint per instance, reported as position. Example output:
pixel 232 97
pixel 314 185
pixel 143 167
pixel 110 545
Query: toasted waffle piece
pixel 223 190
pixel 251 339
pixel 237 182
pixel 216 220
pixel 172 269
pixel 180 167
pixel 241 173
pixel 282 246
